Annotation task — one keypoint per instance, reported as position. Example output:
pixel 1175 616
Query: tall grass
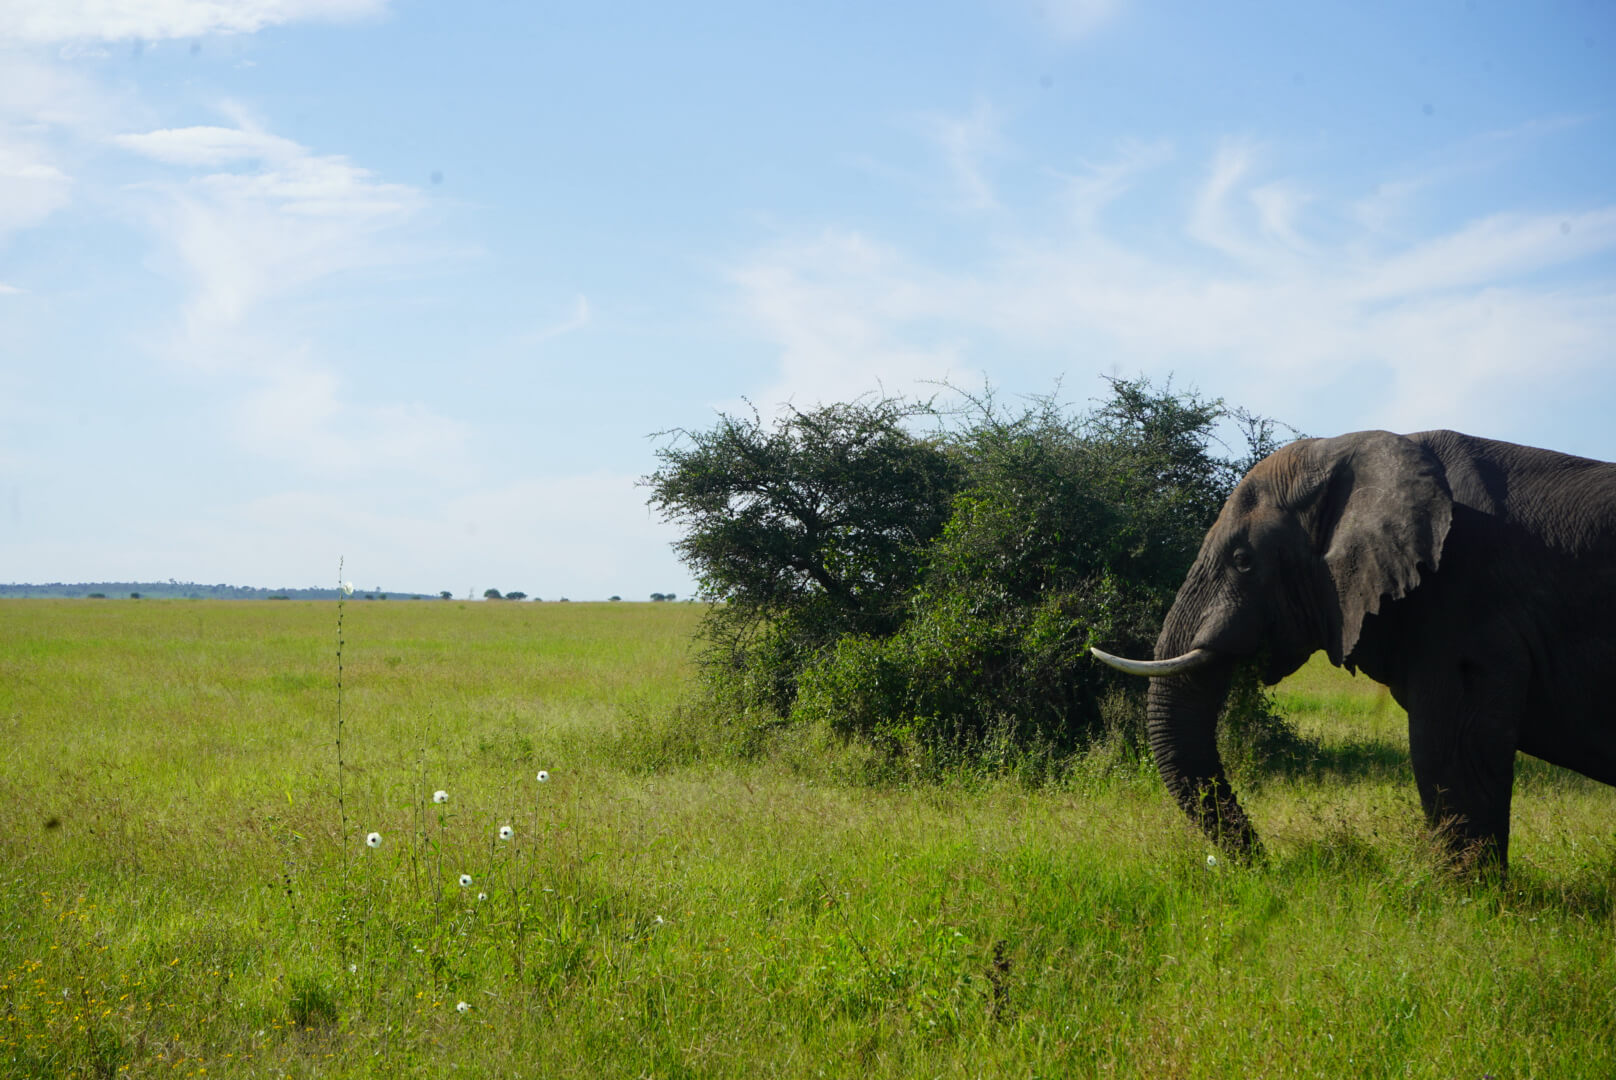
pixel 172 897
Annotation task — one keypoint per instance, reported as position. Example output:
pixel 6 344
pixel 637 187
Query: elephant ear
pixel 1382 519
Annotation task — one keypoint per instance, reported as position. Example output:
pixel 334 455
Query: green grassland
pixel 183 894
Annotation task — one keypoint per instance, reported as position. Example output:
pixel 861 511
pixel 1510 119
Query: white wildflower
pixel 373 840
pixel 440 796
pixel 462 1007
pixel 465 881
pixel 1212 861
pixel 544 776
pixel 506 832
pixel 347 588
pixel 482 896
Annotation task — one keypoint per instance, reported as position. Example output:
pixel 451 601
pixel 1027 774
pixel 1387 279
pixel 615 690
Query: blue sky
pixel 413 283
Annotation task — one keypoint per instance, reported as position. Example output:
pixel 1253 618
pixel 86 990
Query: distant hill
pixel 190 590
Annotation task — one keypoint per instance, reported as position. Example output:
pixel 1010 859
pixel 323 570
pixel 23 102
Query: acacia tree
pixel 806 527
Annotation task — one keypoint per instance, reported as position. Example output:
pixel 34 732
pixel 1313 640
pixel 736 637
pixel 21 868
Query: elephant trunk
pixel 1182 728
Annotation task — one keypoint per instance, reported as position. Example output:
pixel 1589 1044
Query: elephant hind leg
pixel 1462 738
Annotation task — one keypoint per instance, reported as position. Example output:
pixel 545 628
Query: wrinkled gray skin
pixel 1476 579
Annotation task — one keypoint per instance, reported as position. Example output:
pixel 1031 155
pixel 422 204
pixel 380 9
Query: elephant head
pixel 1312 541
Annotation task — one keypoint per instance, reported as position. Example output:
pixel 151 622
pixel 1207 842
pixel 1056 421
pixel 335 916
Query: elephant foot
pixel 1468 855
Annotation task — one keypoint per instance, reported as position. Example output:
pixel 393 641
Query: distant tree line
pixel 931 581
pixel 186 590
pixel 136 590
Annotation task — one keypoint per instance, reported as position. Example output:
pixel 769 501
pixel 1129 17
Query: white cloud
pixel 844 310
pixel 212 146
pixel 1378 211
pixel 46 115
pixel 1457 329
pixel 32 187
pixel 1211 219
pixel 292 218
pixel 304 415
pixel 1481 359
pixel 251 222
pixel 582 315
pixel 966 143
pixel 38 22
pixel 1390 207
pixel 38 97
pixel 1499 246
pixel 1101 184
pixel 1075 19
pixel 1279 205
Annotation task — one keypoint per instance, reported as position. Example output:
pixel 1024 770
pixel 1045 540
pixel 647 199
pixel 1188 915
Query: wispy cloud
pixel 1279 207
pixel 1089 193
pixel 1076 19
pixel 39 22
pixel 967 142
pixel 1452 328
pixel 32 186
pixel 1391 205
pixel 49 117
pixel 1212 220
pixel 247 220
pixel 304 415
pixel 582 315
pixel 1497 248
pixel 251 221
pixel 202 146
pixel 284 219
pixel 846 311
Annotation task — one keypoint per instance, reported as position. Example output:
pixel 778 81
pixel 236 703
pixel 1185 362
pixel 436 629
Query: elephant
pixel 1476 579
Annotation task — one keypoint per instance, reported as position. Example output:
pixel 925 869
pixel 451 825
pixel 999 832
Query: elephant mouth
pixel 1276 664
pixel 1177 665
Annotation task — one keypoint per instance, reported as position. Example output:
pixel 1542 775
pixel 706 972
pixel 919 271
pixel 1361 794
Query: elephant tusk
pixel 1157 668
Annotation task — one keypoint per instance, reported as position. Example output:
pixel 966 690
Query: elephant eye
pixel 1241 559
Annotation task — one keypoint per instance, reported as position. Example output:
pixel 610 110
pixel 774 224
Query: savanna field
pixel 186 887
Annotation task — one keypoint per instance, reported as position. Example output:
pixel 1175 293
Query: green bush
pixel 962 674
pixel 936 595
